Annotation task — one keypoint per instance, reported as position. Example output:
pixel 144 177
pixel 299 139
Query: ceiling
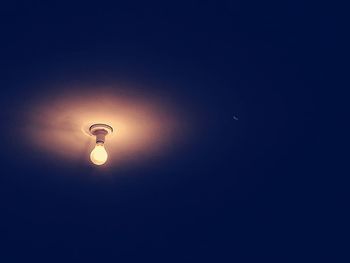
pixel 214 112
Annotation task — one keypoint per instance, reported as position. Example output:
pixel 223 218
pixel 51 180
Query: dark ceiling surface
pixel 236 189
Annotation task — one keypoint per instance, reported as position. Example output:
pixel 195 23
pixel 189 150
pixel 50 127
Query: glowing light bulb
pixel 99 155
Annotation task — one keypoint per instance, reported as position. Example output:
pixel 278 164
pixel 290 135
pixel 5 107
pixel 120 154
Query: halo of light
pixel 146 125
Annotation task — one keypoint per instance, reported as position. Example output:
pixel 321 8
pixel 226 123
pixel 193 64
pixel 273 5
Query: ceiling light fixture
pixel 99 154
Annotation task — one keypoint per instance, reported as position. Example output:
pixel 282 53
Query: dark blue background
pixel 243 190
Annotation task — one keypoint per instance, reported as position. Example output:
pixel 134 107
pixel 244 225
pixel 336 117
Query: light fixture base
pixel 98 127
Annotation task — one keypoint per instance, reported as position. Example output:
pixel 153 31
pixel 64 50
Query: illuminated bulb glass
pixel 99 155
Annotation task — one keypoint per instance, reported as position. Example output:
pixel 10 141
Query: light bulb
pixel 99 154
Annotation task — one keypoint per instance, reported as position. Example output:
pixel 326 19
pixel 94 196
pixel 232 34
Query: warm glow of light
pixel 99 154
pixel 146 125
